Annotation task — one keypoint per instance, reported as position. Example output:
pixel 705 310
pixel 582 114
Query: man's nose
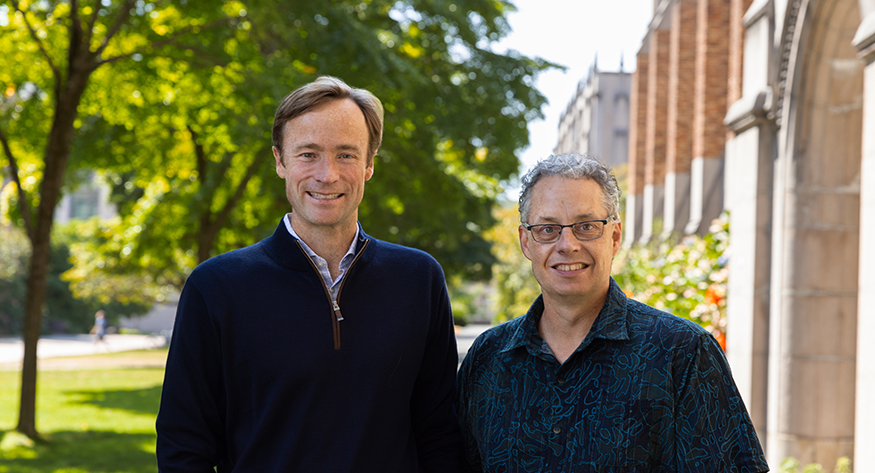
pixel 326 170
pixel 567 241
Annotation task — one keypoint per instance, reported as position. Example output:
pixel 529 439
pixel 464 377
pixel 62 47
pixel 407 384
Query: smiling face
pixel 570 270
pixel 325 164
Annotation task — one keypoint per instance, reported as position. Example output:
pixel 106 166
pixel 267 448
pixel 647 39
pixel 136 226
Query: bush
pixel 685 277
pixel 14 253
pixel 62 311
pixel 791 465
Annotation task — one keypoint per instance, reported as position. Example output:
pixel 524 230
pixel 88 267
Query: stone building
pixel 596 120
pixel 767 108
pixel 89 199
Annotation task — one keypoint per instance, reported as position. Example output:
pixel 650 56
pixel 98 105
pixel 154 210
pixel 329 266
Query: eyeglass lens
pixel 582 230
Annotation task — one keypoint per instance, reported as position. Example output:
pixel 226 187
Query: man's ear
pixel 525 239
pixel 369 171
pixel 617 236
pixel 279 162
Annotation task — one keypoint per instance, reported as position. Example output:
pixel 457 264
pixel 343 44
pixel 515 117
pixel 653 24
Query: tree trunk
pixel 56 157
pixel 210 224
pixel 36 293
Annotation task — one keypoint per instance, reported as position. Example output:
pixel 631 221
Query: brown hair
pixel 321 91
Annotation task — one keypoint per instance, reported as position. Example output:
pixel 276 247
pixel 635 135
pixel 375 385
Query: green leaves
pixel 178 115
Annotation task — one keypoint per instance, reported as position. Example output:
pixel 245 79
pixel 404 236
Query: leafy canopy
pixel 181 126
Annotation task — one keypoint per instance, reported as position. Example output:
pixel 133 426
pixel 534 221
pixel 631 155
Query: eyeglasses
pixel 583 231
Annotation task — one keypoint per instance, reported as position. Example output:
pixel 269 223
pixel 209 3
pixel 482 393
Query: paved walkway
pixel 52 346
pixel 465 337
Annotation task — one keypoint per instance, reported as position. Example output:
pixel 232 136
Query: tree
pixel 54 53
pixel 199 172
pixel 515 284
pixel 173 103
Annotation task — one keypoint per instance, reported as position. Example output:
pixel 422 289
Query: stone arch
pixel 816 235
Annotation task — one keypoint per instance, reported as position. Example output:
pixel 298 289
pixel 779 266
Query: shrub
pixel 791 465
pixel 685 277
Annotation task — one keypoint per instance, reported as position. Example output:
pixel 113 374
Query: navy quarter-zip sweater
pixel 256 382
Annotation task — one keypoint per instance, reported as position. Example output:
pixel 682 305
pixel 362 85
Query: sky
pixel 571 33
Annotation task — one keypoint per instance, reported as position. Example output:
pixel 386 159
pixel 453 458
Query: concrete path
pixel 465 336
pixel 52 346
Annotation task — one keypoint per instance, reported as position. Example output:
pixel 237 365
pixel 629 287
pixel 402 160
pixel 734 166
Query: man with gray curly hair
pixel 588 379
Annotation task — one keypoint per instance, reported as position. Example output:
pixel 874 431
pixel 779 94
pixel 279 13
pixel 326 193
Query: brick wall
pixel 737 9
pixel 712 69
pixel 657 106
pixel 638 123
pixel 681 89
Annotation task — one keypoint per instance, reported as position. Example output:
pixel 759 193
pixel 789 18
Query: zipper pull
pixel 337 313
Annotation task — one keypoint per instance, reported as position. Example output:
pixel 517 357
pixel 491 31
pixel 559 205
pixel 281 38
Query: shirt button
pixel 557 429
pixel 560 381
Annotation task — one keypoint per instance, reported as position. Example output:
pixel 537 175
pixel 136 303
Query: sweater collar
pixel 282 248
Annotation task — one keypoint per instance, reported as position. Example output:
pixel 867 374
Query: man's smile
pixel 318 196
pixel 570 267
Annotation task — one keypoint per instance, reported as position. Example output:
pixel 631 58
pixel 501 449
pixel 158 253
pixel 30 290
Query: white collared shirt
pixel 320 262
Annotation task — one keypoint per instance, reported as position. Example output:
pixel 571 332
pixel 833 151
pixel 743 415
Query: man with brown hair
pixel 319 348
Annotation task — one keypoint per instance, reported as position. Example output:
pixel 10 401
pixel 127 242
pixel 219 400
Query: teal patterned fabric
pixel 645 392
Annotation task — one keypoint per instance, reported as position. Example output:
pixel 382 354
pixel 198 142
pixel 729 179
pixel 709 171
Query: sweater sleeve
pixel 190 421
pixel 435 427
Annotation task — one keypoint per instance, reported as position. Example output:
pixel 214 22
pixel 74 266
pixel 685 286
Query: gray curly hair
pixel 573 166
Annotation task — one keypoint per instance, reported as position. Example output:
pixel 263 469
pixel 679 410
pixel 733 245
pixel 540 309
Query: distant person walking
pixel 99 329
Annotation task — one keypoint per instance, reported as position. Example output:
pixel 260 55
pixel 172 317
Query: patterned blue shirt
pixel 644 392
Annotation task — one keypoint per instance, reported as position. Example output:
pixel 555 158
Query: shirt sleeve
pixel 712 429
pixel 435 426
pixel 190 424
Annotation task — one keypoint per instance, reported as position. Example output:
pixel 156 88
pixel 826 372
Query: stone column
pixel 749 156
pixel 681 92
pixel 864 457
pixel 709 134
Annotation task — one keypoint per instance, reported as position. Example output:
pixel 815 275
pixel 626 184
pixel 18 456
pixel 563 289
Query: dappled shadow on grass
pixel 74 452
pixel 141 401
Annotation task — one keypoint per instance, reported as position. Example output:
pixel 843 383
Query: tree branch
pixel 219 221
pixel 75 23
pixel 116 27
pixel 91 22
pixel 199 154
pixel 23 205
pixel 39 43
pixel 226 164
pixel 164 42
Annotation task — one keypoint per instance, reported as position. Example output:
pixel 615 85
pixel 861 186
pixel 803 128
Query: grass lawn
pixel 95 418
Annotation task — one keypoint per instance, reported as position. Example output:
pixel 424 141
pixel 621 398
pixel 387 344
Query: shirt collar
pixel 350 253
pixel 611 323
